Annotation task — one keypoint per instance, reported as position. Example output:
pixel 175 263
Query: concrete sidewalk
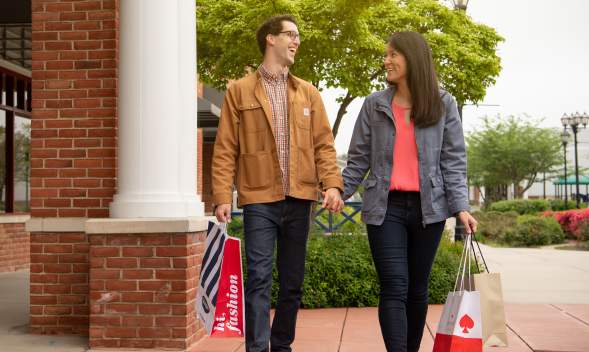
pixel 534 275
pixel 14 321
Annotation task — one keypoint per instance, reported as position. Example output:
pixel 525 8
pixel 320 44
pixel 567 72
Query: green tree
pixel 510 151
pixel 343 43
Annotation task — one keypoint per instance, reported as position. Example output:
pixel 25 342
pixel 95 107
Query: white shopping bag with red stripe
pixel 219 300
pixel 460 326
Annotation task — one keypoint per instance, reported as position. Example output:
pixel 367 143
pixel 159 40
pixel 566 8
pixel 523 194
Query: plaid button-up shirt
pixel 276 86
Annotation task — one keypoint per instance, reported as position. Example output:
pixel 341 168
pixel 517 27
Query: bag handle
pixel 458 276
pixel 465 264
pixel 480 252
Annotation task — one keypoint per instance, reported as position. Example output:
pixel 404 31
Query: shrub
pixel 534 231
pixel 582 231
pixel 579 225
pixel 570 221
pixel 494 224
pixel 339 271
pixel 559 204
pixel 521 206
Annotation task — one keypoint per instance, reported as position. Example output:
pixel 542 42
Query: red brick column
pixel 73 127
pixel 143 285
pixel 14 243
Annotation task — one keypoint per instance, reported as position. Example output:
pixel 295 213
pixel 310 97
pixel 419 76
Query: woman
pixel 409 137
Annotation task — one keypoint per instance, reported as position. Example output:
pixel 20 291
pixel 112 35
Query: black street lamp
pixel 575 121
pixel 459 230
pixel 565 137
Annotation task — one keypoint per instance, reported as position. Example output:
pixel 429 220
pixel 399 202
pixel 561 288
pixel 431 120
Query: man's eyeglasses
pixel 291 34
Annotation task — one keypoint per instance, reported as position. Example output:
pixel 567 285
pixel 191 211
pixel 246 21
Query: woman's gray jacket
pixel 441 153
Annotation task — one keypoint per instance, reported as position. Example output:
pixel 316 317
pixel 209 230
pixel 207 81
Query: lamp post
pixel 574 121
pixel 565 137
pixel 460 4
pixel 459 229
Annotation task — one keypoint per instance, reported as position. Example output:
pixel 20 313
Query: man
pixel 275 142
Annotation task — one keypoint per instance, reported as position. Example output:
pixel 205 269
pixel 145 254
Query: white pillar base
pixel 140 206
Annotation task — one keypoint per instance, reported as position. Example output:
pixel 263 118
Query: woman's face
pixel 395 65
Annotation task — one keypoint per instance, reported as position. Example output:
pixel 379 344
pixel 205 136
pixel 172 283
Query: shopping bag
pixel 459 329
pixel 219 300
pixel 492 307
pixel 460 325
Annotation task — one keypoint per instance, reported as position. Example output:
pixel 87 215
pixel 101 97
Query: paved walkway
pixel 531 327
pixel 543 288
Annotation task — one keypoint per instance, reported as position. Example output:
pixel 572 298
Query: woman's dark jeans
pixel 403 250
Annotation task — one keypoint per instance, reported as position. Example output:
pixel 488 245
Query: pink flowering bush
pixel 574 223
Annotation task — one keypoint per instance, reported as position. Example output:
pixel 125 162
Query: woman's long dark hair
pixel 422 80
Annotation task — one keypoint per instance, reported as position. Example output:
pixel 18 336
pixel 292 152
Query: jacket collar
pixel 292 79
pixel 384 101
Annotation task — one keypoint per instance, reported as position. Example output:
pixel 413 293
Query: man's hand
pixel 223 213
pixel 332 200
pixel 470 224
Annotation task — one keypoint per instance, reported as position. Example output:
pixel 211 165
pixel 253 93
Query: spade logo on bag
pixel 466 323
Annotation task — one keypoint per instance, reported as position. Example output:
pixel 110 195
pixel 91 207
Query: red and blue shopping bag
pixel 219 300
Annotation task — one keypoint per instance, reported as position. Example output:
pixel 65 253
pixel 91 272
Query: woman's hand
pixel 470 224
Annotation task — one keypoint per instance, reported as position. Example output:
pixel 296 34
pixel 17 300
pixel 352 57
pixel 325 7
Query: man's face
pixel 286 43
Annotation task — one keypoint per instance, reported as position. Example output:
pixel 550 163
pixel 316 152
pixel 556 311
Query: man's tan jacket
pixel 245 149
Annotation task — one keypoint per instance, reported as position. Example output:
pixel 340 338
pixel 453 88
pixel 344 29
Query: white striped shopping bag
pixel 219 300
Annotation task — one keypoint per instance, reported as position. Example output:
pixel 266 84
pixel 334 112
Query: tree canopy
pixel 510 151
pixel 342 43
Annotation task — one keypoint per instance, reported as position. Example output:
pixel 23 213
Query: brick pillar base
pixel 59 276
pixel 143 279
pixel 14 243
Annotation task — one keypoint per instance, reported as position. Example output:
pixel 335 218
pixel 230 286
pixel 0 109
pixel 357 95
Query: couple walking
pixel 274 143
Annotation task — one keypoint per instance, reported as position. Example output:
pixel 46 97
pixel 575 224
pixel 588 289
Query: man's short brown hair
pixel 273 26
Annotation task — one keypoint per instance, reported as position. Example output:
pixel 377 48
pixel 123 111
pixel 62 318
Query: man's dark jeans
pixel 286 223
pixel 403 250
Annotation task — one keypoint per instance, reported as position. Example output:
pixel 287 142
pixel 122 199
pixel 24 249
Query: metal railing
pixel 332 222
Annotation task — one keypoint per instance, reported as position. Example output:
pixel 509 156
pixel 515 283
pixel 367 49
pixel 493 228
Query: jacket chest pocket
pixel 252 117
pixel 302 120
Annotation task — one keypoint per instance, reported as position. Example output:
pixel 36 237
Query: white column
pixel 157 110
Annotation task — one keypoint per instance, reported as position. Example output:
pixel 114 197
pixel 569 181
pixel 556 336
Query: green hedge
pixel 559 204
pixel 511 229
pixel 340 271
pixel 533 206
pixel 535 231
pixel 521 206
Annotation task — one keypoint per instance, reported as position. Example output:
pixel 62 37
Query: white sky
pixel 545 61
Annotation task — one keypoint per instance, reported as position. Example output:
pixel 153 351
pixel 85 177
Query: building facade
pixel 116 224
